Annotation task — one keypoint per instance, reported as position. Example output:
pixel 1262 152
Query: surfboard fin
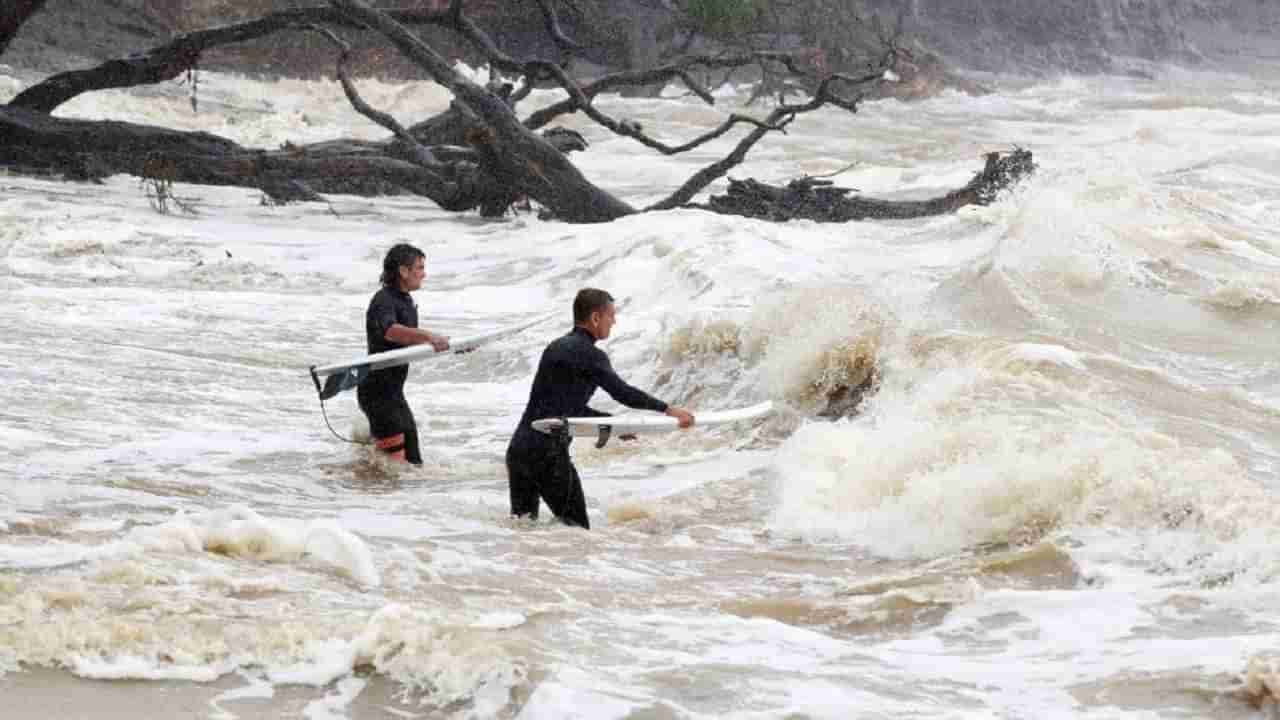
pixel 603 436
pixel 338 382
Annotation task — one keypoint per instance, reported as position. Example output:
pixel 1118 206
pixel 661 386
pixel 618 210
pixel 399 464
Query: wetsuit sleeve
pixel 619 390
pixel 381 316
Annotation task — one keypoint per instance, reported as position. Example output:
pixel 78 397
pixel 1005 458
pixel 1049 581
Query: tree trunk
pixel 95 149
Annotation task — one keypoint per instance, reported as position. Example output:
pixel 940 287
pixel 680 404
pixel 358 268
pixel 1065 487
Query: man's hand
pixel 684 416
pixel 439 343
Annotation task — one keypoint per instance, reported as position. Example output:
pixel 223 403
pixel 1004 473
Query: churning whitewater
pixel 1060 501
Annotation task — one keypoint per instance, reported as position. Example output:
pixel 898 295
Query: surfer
pixel 391 322
pixel 571 368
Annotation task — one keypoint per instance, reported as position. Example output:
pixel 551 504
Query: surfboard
pixel 346 375
pixel 602 428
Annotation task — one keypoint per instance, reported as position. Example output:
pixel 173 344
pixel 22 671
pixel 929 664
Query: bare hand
pixel 683 416
pixel 439 343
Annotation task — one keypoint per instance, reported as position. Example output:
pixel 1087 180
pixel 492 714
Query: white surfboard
pixel 602 428
pixel 346 375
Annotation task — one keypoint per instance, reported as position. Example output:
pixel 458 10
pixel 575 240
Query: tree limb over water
pixel 478 154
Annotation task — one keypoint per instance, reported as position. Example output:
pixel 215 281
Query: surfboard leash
pixel 325 415
pixel 320 392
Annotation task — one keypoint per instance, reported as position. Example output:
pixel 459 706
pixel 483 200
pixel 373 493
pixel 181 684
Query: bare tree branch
pixel 552 23
pixel 510 150
pixel 14 17
pixel 633 129
pixel 716 170
pixel 455 185
pixel 777 120
pixel 580 97
pixel 179 55
pixel 614 81
pixel 420 154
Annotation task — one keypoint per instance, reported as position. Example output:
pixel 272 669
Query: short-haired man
pixel 571 368
pixel 391 322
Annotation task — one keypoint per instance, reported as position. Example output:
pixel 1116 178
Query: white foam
pixel 241 532
pixel 994 455
pixel 133 668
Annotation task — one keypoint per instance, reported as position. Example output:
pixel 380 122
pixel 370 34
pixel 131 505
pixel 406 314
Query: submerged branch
pixel 818 200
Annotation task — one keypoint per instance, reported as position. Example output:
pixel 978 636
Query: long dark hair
pixel 402 255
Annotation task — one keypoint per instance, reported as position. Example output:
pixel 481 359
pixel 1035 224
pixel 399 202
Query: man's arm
pixel 632 397
pixel 405 335
pixel 382 317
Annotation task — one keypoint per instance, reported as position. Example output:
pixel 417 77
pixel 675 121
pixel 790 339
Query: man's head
pixel 593 309
pixel 404 267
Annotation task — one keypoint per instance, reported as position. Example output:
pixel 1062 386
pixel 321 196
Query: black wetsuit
pixel 538 464
pixel 381 395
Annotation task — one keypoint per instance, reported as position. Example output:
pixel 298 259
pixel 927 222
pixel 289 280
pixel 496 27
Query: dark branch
pixel 511 151
pixel 777 120
pixel 462 24
pixel 580 97
pixel 552 23
pixel 420 154
pixel 633 129
pixel 714 171
pixel 608 83
pixel 14 17
pixel 179 55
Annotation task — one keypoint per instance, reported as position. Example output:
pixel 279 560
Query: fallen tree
pixel 479 154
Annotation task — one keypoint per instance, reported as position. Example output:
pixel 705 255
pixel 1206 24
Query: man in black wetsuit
pixel 390 323
pixel 571 368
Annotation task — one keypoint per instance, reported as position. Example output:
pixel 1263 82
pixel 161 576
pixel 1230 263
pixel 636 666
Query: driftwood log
pixel 819 200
